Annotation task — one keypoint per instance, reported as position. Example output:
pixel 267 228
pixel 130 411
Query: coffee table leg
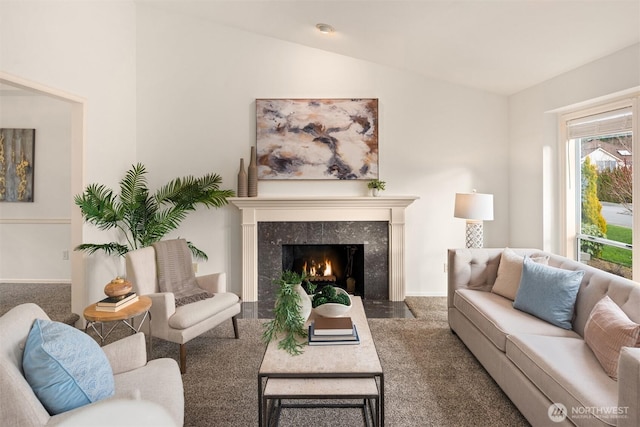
pixel 260 402
pixel 381 402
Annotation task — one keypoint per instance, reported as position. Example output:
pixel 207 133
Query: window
pixel 599 186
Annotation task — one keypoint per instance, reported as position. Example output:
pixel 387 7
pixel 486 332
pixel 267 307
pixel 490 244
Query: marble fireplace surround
pixel 322 209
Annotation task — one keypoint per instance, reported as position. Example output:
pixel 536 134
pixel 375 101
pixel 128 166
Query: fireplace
pixel 287 245
pixel 296 212
pixel 336 265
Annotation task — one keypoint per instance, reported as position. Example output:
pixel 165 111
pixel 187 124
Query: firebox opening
pixel 337 265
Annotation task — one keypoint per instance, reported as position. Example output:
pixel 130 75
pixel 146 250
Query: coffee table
pixel 326 373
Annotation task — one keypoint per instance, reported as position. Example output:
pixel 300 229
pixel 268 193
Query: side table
pixel 125 315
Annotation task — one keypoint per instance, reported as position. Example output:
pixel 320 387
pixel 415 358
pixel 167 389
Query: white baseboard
pixel 427 294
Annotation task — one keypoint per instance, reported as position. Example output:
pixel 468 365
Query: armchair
pixel 155 385
pixel 183 323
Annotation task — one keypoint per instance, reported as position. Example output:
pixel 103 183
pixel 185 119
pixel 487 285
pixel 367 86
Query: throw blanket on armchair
pixel 175 273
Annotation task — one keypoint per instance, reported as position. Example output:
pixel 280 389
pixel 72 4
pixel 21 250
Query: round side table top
pixel 143 304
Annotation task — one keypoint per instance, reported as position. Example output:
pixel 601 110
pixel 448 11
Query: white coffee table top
pixel 328 360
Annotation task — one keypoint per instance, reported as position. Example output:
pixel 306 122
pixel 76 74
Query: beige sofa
pixel 536 363
pixel 146 393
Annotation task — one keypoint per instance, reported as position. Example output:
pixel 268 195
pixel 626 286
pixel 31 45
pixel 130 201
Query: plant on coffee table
pixel 287 318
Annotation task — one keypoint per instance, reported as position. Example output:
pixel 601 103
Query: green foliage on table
pixel 330 295
pixel 287 319
pixel 144 218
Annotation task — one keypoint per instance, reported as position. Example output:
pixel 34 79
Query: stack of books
pixel 115 304
pixel 333 331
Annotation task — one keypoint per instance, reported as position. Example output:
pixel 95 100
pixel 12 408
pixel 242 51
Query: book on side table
pixel 341 331
pixel 115 304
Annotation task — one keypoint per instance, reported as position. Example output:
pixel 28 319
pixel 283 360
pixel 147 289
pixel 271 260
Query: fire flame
pixel 318 271
pixel 327 268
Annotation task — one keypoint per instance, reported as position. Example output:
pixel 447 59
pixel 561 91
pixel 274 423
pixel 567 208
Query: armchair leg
pixel 235 327
pixel 183 358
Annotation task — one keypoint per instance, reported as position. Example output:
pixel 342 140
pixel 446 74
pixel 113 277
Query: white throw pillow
pixel 510 272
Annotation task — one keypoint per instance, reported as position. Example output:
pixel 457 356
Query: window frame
pixel 567 157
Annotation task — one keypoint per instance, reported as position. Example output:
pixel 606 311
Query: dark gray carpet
pixel 431 379
pixel 54 298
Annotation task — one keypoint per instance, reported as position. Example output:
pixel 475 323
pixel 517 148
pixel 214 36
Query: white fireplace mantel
pixel 322 208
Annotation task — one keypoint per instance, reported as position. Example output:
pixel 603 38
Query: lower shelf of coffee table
pixel 318 388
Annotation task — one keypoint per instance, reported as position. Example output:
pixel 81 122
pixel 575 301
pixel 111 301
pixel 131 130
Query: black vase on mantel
pixel 252 173
pixel 243 190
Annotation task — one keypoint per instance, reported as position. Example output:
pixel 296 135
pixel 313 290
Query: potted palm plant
pixel 143 217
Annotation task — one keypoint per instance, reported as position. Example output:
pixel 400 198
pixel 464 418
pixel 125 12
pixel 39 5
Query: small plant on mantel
pixel 376 184
pixel 287 317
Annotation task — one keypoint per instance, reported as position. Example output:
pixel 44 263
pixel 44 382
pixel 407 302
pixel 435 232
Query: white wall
pixel 33 236
pixel 178 95
pixel 533 130
pixel 197 83
pixel 87 49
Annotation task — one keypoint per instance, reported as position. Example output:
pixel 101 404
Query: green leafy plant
pixel 329 295
pixel 287 318
pixel 376 183
pixel 144 218
pixel 590 247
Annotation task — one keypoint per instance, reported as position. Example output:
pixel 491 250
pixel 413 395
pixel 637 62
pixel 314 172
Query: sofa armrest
pixel 629 386
pixel 214 283
pixel 127 354
pixel 471 268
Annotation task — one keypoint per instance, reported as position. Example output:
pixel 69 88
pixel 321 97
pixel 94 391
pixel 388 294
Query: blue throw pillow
pixel 65 367
pixel 548 292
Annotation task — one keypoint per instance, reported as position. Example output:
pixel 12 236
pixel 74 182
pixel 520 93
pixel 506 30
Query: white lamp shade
pixel 474 206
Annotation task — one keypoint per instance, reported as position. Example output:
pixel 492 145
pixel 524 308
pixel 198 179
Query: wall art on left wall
pixel 17 149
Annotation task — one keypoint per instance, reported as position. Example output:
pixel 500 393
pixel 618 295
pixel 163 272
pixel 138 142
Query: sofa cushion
pixel 65 367
pixel 191 314
pixel 567 372
pixel 496 318
pixel 510 272
pixel 548 292
pixel 608 329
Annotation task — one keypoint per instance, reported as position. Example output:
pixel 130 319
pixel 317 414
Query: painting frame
pixel 17 158
pixel 317 138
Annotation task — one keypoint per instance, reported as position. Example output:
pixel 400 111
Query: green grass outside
pixel 617 255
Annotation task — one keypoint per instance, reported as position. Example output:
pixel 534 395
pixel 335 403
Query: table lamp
pixel 475 208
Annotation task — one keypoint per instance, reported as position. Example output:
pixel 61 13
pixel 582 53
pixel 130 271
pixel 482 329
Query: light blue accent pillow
pixel 65 367
pixel 548 292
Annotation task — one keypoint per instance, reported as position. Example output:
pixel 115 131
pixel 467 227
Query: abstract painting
pixel 317 138
pixel 16 164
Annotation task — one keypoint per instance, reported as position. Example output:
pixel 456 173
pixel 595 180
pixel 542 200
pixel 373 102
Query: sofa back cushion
pixel 595 285
pixel 475 268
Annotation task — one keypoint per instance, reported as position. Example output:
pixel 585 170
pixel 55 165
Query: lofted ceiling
pixel 501 46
